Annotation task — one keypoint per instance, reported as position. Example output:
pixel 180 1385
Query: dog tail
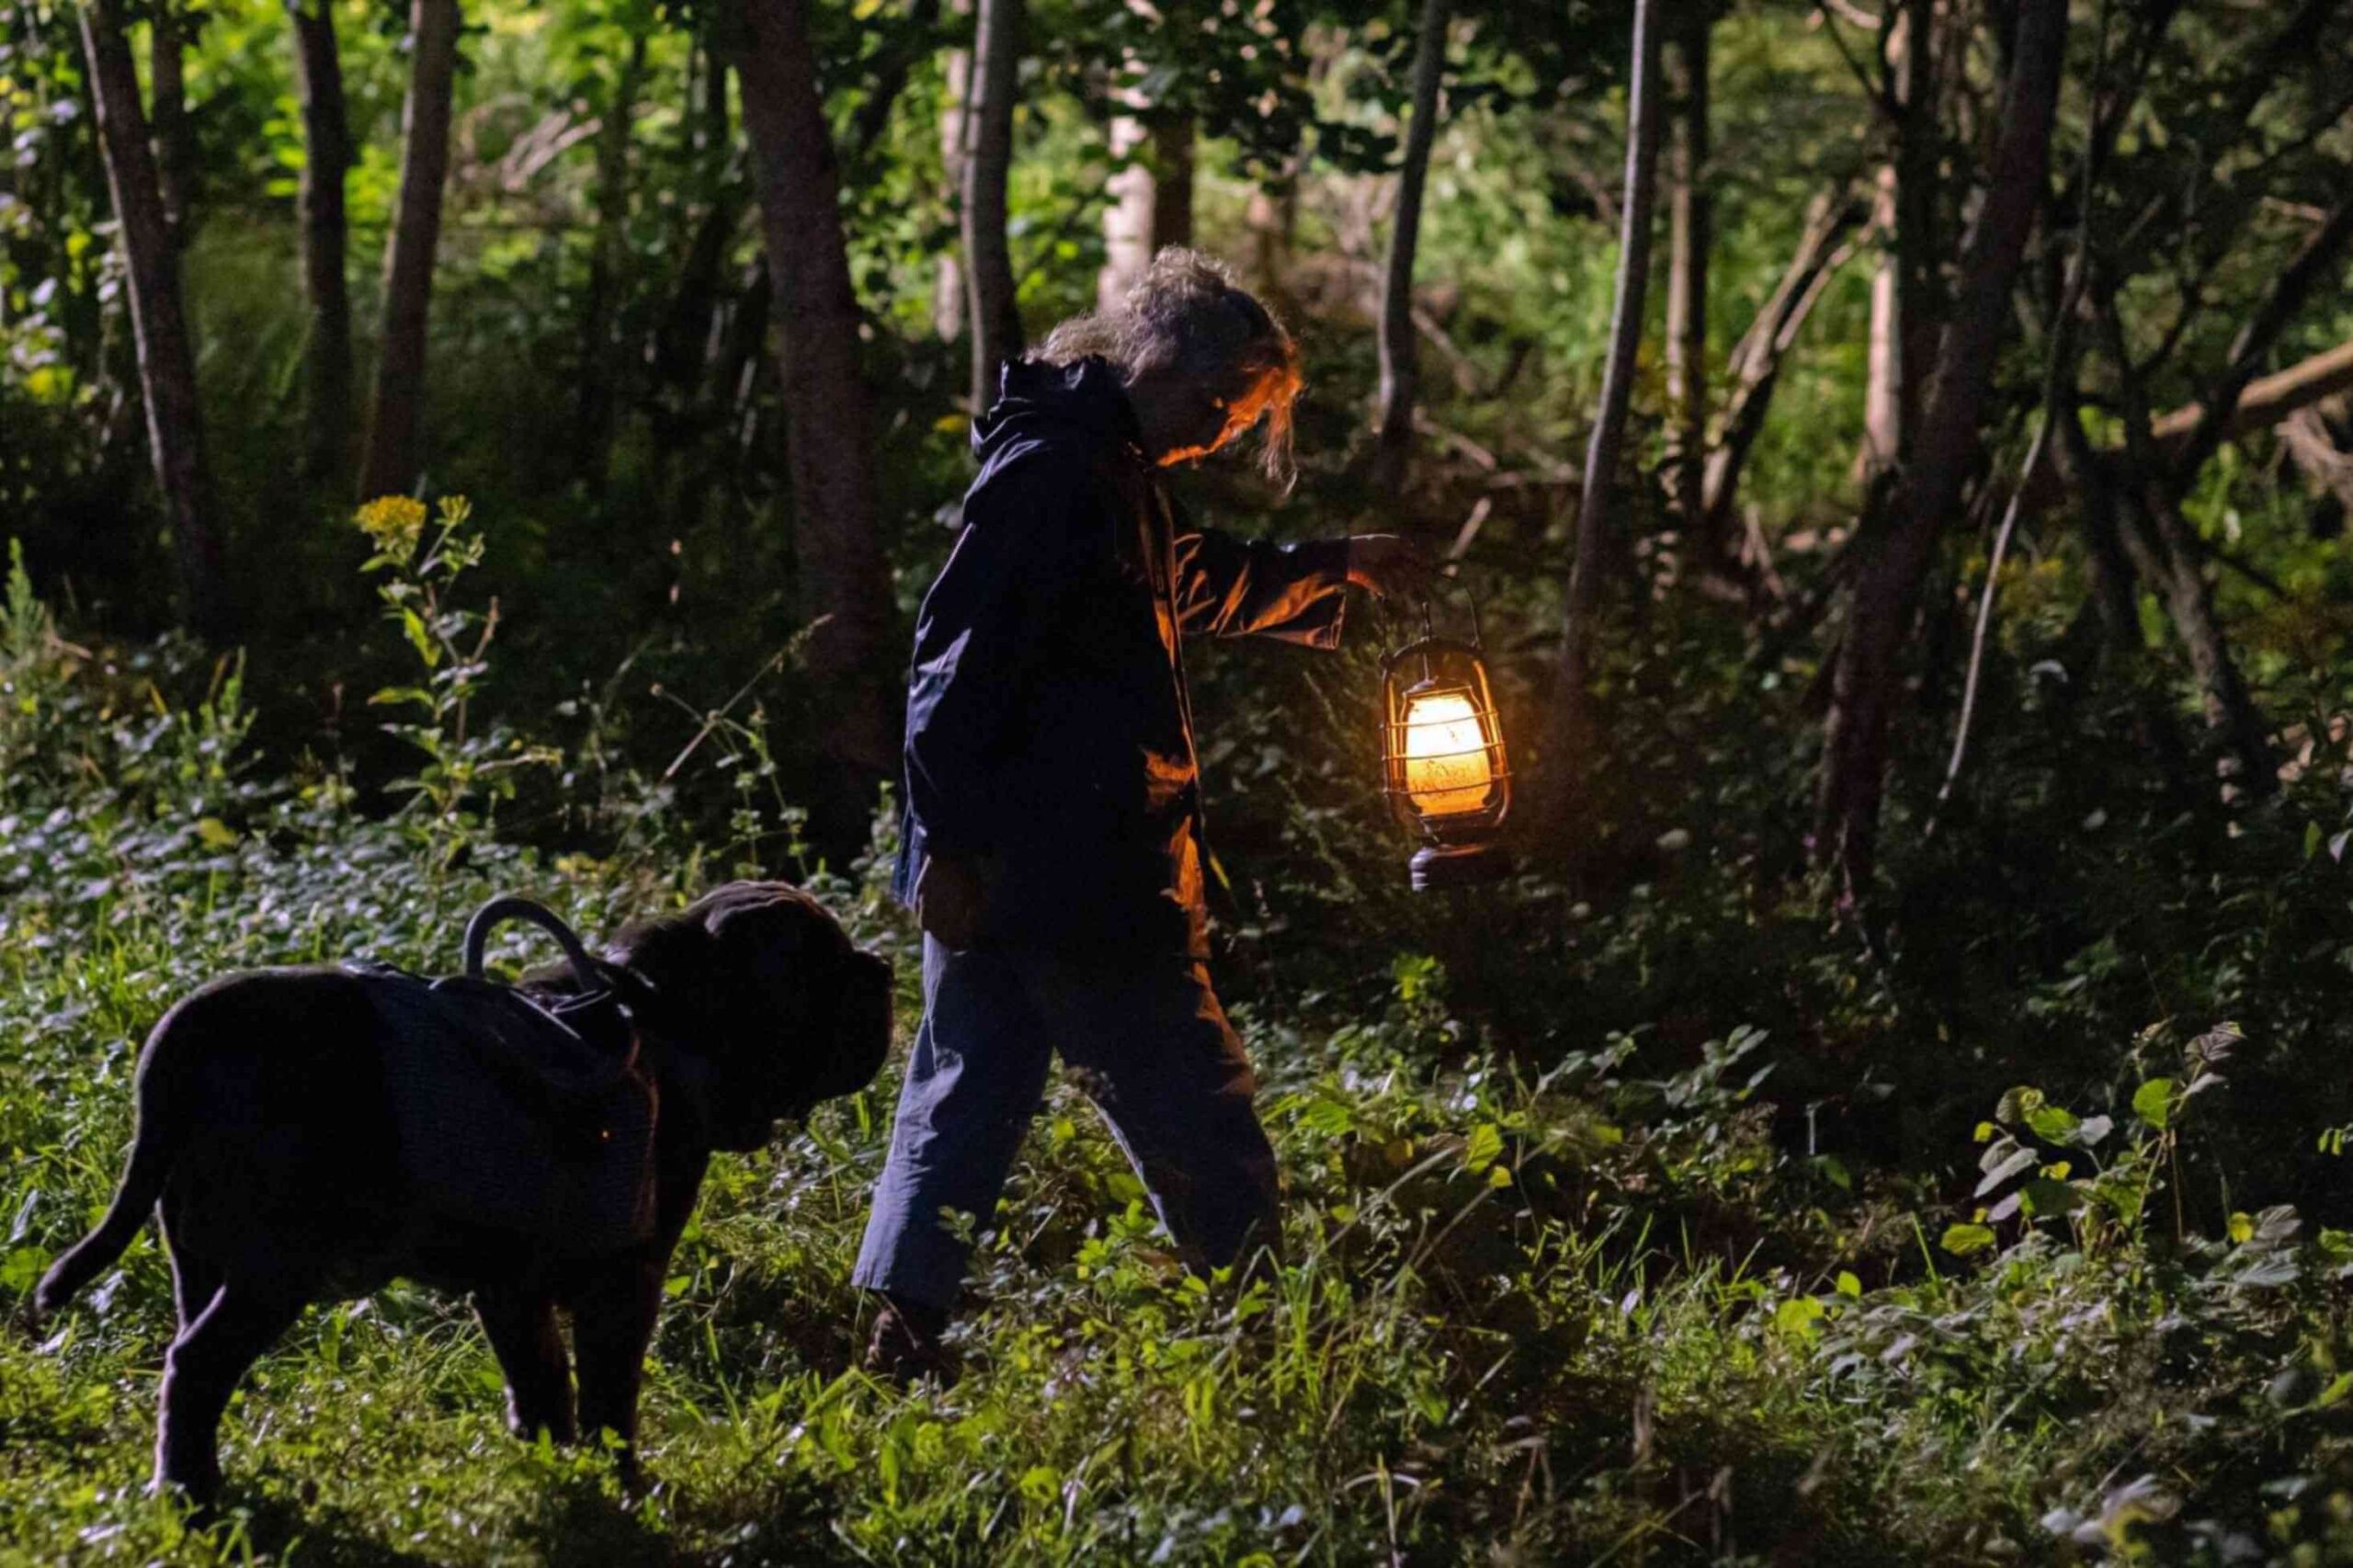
pixel 154 1147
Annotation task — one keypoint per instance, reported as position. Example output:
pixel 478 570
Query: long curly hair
pixel 1188 315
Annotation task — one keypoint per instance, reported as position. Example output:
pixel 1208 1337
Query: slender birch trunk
pixel 394 456
pixel 1690 238
pixel 991 310
pixel 955 121
pixel 1400 350
pixel 167 40
pixel 1572 734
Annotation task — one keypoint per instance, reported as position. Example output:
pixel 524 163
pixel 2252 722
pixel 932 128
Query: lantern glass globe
pixel 1448 770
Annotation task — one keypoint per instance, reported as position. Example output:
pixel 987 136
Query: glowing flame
pixel 1447 767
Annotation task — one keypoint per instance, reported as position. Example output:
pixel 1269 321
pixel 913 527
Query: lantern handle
pixel 1478 631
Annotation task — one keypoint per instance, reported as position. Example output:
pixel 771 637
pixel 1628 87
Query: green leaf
pixel 1798 1315
pixel 2051 1123
pixel 2153 1102
pixel 2047 1200
pixel 1962 1240
pixel 419 638
pixel 2312 839
pixel 1848 1286
pixel 1486 1142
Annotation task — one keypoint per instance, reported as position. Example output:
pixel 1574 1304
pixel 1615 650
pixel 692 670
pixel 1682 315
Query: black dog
pixel 268 1140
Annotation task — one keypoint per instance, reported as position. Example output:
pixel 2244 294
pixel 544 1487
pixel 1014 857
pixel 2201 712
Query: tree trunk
pixel 1127 218
pixel 1272 219
pixel 991 309
pixel 955 127
pixel 1400 351
pixel 167 44
pixel 326 158
pixel 1756 360
pixel 1155 199
pixel 1569 742
pixel 1919 188
pixel 1905 308
pixel 394 453
pixel 685 351
pixel 1690 238
pixel 2110 562
pixel 1864 677
pixel 844 582
pixel 593 410
pixel 1883 367
pixel 166 361
pixel 2165 548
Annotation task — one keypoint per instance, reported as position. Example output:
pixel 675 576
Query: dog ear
pixel 773 976
pixel 752 915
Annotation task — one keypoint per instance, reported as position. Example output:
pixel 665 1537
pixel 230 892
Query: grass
pixel 1586 1315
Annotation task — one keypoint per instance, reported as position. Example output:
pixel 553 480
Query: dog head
pixel 764 1005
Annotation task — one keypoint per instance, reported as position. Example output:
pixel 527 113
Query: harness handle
pixel 591 974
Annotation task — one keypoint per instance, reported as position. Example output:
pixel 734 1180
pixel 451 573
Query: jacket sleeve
pixel 976 643
pixel 1227 586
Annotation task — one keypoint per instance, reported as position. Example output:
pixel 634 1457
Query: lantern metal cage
pixel 1444 768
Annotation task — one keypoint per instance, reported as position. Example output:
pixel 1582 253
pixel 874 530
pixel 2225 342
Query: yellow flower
pixel 394 522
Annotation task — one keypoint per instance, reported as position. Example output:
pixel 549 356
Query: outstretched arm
pixel 1233 587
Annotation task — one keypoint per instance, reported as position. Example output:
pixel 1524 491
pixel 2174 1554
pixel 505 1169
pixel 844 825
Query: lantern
pixel 1442 759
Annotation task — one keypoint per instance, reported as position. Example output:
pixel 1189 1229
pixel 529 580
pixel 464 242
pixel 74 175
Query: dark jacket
pixel 1050 737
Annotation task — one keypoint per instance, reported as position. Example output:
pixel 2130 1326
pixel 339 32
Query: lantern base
pixel 1458 865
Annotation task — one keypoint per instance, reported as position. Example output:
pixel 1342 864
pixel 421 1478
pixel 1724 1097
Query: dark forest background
pixel 1899 451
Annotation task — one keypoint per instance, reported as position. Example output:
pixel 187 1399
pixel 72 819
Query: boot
pixel 906 1347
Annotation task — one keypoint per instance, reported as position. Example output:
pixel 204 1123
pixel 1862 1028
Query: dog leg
pixel 522 1333
pixel 200 1373
pixel 194 1284
pixel 612 1325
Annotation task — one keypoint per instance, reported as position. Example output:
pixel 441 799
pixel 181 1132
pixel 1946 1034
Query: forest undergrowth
pixel 1676 1237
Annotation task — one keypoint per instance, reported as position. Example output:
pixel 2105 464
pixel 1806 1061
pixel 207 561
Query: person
pixel 1052 838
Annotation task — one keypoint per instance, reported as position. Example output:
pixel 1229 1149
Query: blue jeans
pixel 1152 1048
